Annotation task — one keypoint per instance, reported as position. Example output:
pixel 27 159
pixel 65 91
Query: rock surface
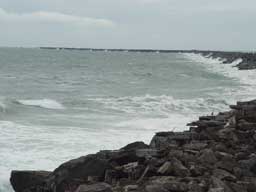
pixel 217 154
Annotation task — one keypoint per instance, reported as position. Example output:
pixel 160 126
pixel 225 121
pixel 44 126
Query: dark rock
pixel 98 187
pixel 219 185
pixel 176 186
pixel 166 168
pixel 249 166
pixel 208 156
pixel 195 145
pixel 173 167
pixel 135 145
pixel 74 172
pixel 22 181
pixel 128 188
pixel 155 188
pixel 224 175
pixel 179 169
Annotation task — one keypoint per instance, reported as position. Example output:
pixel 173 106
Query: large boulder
pixel 135 145
pixel 22 181
pixel 75 172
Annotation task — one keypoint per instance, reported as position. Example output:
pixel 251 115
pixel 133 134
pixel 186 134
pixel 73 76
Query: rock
pixel 147 153
pixel 166 168
pixel 218 185
pixel 224 175
pixel 195 145
pixel 196 170
pixel 98 187
pixel 163 139
pixel 249 166
pixel 194 186
pixel 24 180
pixel 135 145
pixel 176 186
pixel 155 188
pixel 216 190
pixel 208 156
pixel 173 167
pixel 128 188
pixel 74 172
pixel 238 187
pixel 179 169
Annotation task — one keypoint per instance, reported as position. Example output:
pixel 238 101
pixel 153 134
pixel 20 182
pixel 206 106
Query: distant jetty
pixel 248 60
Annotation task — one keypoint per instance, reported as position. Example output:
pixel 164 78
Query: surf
pixel 43 103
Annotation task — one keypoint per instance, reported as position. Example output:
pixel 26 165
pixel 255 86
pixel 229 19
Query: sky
pixel 151 24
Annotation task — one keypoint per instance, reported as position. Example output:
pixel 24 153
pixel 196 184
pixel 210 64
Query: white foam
pixel 44 103
pixel 161 105
pixel 247 78
pixel 28 147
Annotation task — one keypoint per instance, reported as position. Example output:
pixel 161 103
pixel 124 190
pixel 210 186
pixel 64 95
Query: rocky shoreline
pixel 216 154
pixel 248 60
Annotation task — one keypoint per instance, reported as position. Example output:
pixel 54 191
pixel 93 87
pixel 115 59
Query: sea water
pixel 56 105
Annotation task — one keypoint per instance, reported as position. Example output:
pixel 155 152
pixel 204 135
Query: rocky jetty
pixel 248 60
pixel 216 154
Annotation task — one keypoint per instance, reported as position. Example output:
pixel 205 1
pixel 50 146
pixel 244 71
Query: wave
pixel 43 103
pixel 161 105
pixel 247 77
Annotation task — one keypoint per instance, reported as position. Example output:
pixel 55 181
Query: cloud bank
pixel 159 24
pixel 53 17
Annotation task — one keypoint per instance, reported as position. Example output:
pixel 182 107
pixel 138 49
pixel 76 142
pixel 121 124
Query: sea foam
pixel 43 103
pixel 247 78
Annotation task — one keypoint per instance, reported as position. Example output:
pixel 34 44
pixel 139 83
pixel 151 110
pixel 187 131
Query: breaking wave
pixel 43 103
pixel 161 105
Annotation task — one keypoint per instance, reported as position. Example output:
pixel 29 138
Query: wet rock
pixel 22 181
pixel 219 185
pixel 179 169
pixel 155 188
pixel 147 153
pixel 166 168
pixel 128 188
pixel 224 175
pixel 74 172
pixel 197 170
pixel 195 145
pixel 208 156
pixel 176 186
pixel 98 187
pixel 173 167
pixel 238 187
pixel 249 166
pixel 135 145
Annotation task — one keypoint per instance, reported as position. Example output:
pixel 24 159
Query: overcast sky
pixel 162 24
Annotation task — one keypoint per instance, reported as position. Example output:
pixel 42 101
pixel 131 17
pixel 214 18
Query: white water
pixel 60 104
pixel 44 103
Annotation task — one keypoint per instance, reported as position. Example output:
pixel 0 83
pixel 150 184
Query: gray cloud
pixel 166 24
pixel 53 17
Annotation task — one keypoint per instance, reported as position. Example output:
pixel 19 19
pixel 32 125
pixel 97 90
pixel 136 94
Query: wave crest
pixel 43 103
pixel 161 105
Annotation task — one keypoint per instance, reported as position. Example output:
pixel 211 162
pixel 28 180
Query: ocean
pixel 56 105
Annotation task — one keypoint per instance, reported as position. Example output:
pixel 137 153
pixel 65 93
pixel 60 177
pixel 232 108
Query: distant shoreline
pixel 248 59
pixel 140 50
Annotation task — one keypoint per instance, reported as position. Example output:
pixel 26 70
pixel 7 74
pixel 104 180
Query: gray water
pixel 58 104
